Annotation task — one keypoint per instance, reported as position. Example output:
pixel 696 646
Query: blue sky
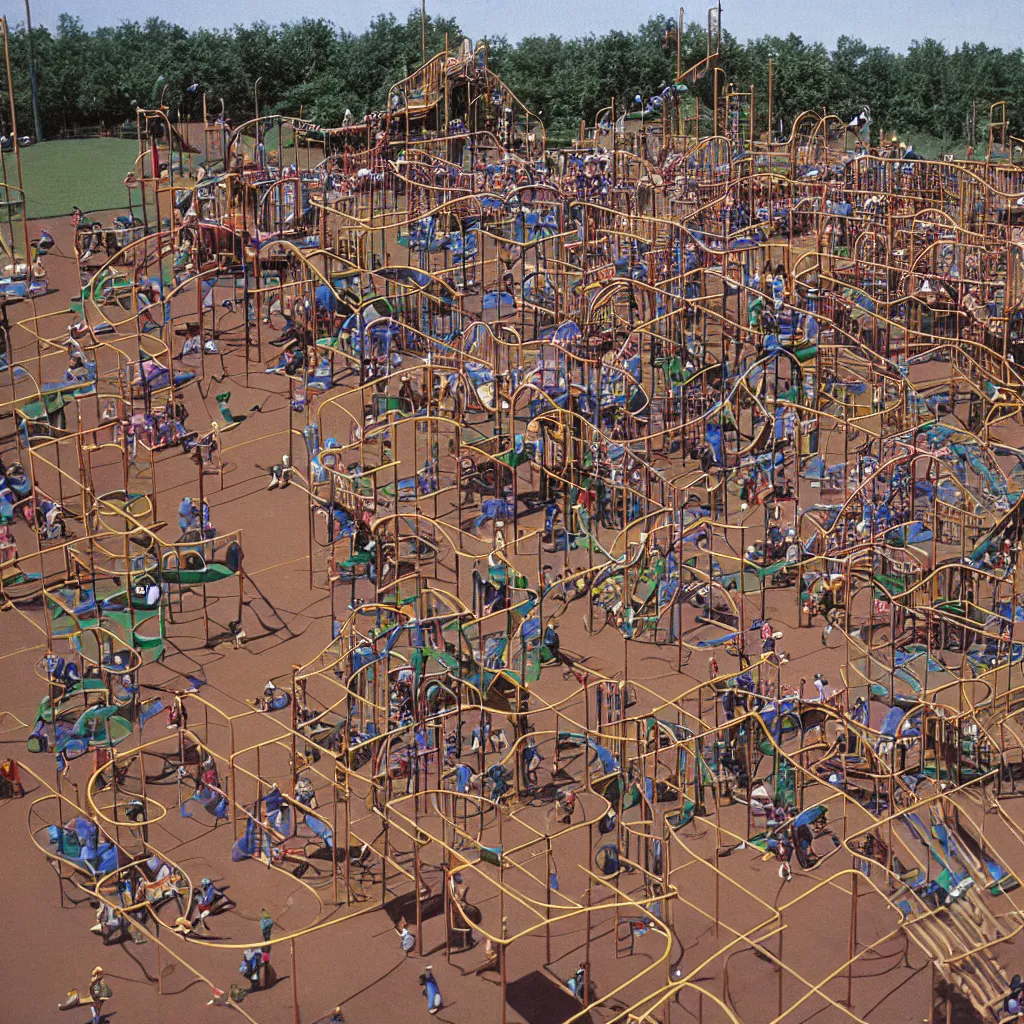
pixel 893 23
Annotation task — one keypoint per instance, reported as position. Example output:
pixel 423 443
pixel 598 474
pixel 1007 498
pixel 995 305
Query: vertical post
pixel 931 995
pixel 547 897
pixel 586 958
pixel 232 790
pixel 423 31
pixel 21 182
pixel 419 887
pixel 295 726
pixel 295 987
pixel 206 142
pixel 348 824
pixel 504 971
pixel 384 854
pixel 714 124
pixel 446 895
pixel 782 971
pixel 853 938
pixel 37 121
pixel 334 835
pixel 679 45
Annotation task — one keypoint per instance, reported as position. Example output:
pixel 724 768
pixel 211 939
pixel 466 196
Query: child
pixel 406 938
pixel 577 983
pixel 193 341
pixel 209 894
pixel 99 991
pixel 237 633
pixel 431 991
pixel 531 761
pixel 281 474
pixel 8 546
pixel 275 805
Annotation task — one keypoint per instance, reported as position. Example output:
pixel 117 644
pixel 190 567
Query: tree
pixel 89 78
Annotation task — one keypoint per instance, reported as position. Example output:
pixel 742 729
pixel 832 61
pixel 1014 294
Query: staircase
pixel 957 938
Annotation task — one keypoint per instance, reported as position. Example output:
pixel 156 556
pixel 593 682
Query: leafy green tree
pixel 90 78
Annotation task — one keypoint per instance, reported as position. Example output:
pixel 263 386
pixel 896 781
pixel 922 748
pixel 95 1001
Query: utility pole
pixel 423 31
pixel 679 46
pixel 32 75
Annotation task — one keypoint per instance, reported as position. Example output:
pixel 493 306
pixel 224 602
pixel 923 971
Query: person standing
pixel 431 991
pixel 821 685
pixel 266 928
pixel 99 992
pixel 252 964
pixel 577 984
pixel 784 853
pixel 531 759
pixel 274 803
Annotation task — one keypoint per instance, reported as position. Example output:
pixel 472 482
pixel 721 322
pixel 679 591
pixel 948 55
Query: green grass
pixel 87 173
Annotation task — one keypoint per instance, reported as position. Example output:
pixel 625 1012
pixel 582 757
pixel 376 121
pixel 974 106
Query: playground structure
pixel 710 393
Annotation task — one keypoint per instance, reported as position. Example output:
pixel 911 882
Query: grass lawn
pixel 88 173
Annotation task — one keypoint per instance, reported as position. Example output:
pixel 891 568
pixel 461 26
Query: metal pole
pixel 295 988
pixel 21 182
pixel 423 31
pixel 679 46
pixel 853 937
pixel 32 78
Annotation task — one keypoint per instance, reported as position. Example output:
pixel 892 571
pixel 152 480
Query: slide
pixel 321 830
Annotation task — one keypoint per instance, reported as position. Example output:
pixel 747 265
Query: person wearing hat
pixel 209 894
pixel 281 473
pixel 266 924
pixel 99 991
pixel 275 805
pixel 821 685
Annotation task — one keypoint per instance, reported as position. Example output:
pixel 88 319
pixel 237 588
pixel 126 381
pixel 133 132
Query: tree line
pixel 95 78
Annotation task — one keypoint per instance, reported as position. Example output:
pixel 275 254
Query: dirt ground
pixel 350 955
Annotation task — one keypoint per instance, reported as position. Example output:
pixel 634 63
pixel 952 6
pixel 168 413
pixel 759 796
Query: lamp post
pixel 256 103
pixel 423 31
pixel 32 76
